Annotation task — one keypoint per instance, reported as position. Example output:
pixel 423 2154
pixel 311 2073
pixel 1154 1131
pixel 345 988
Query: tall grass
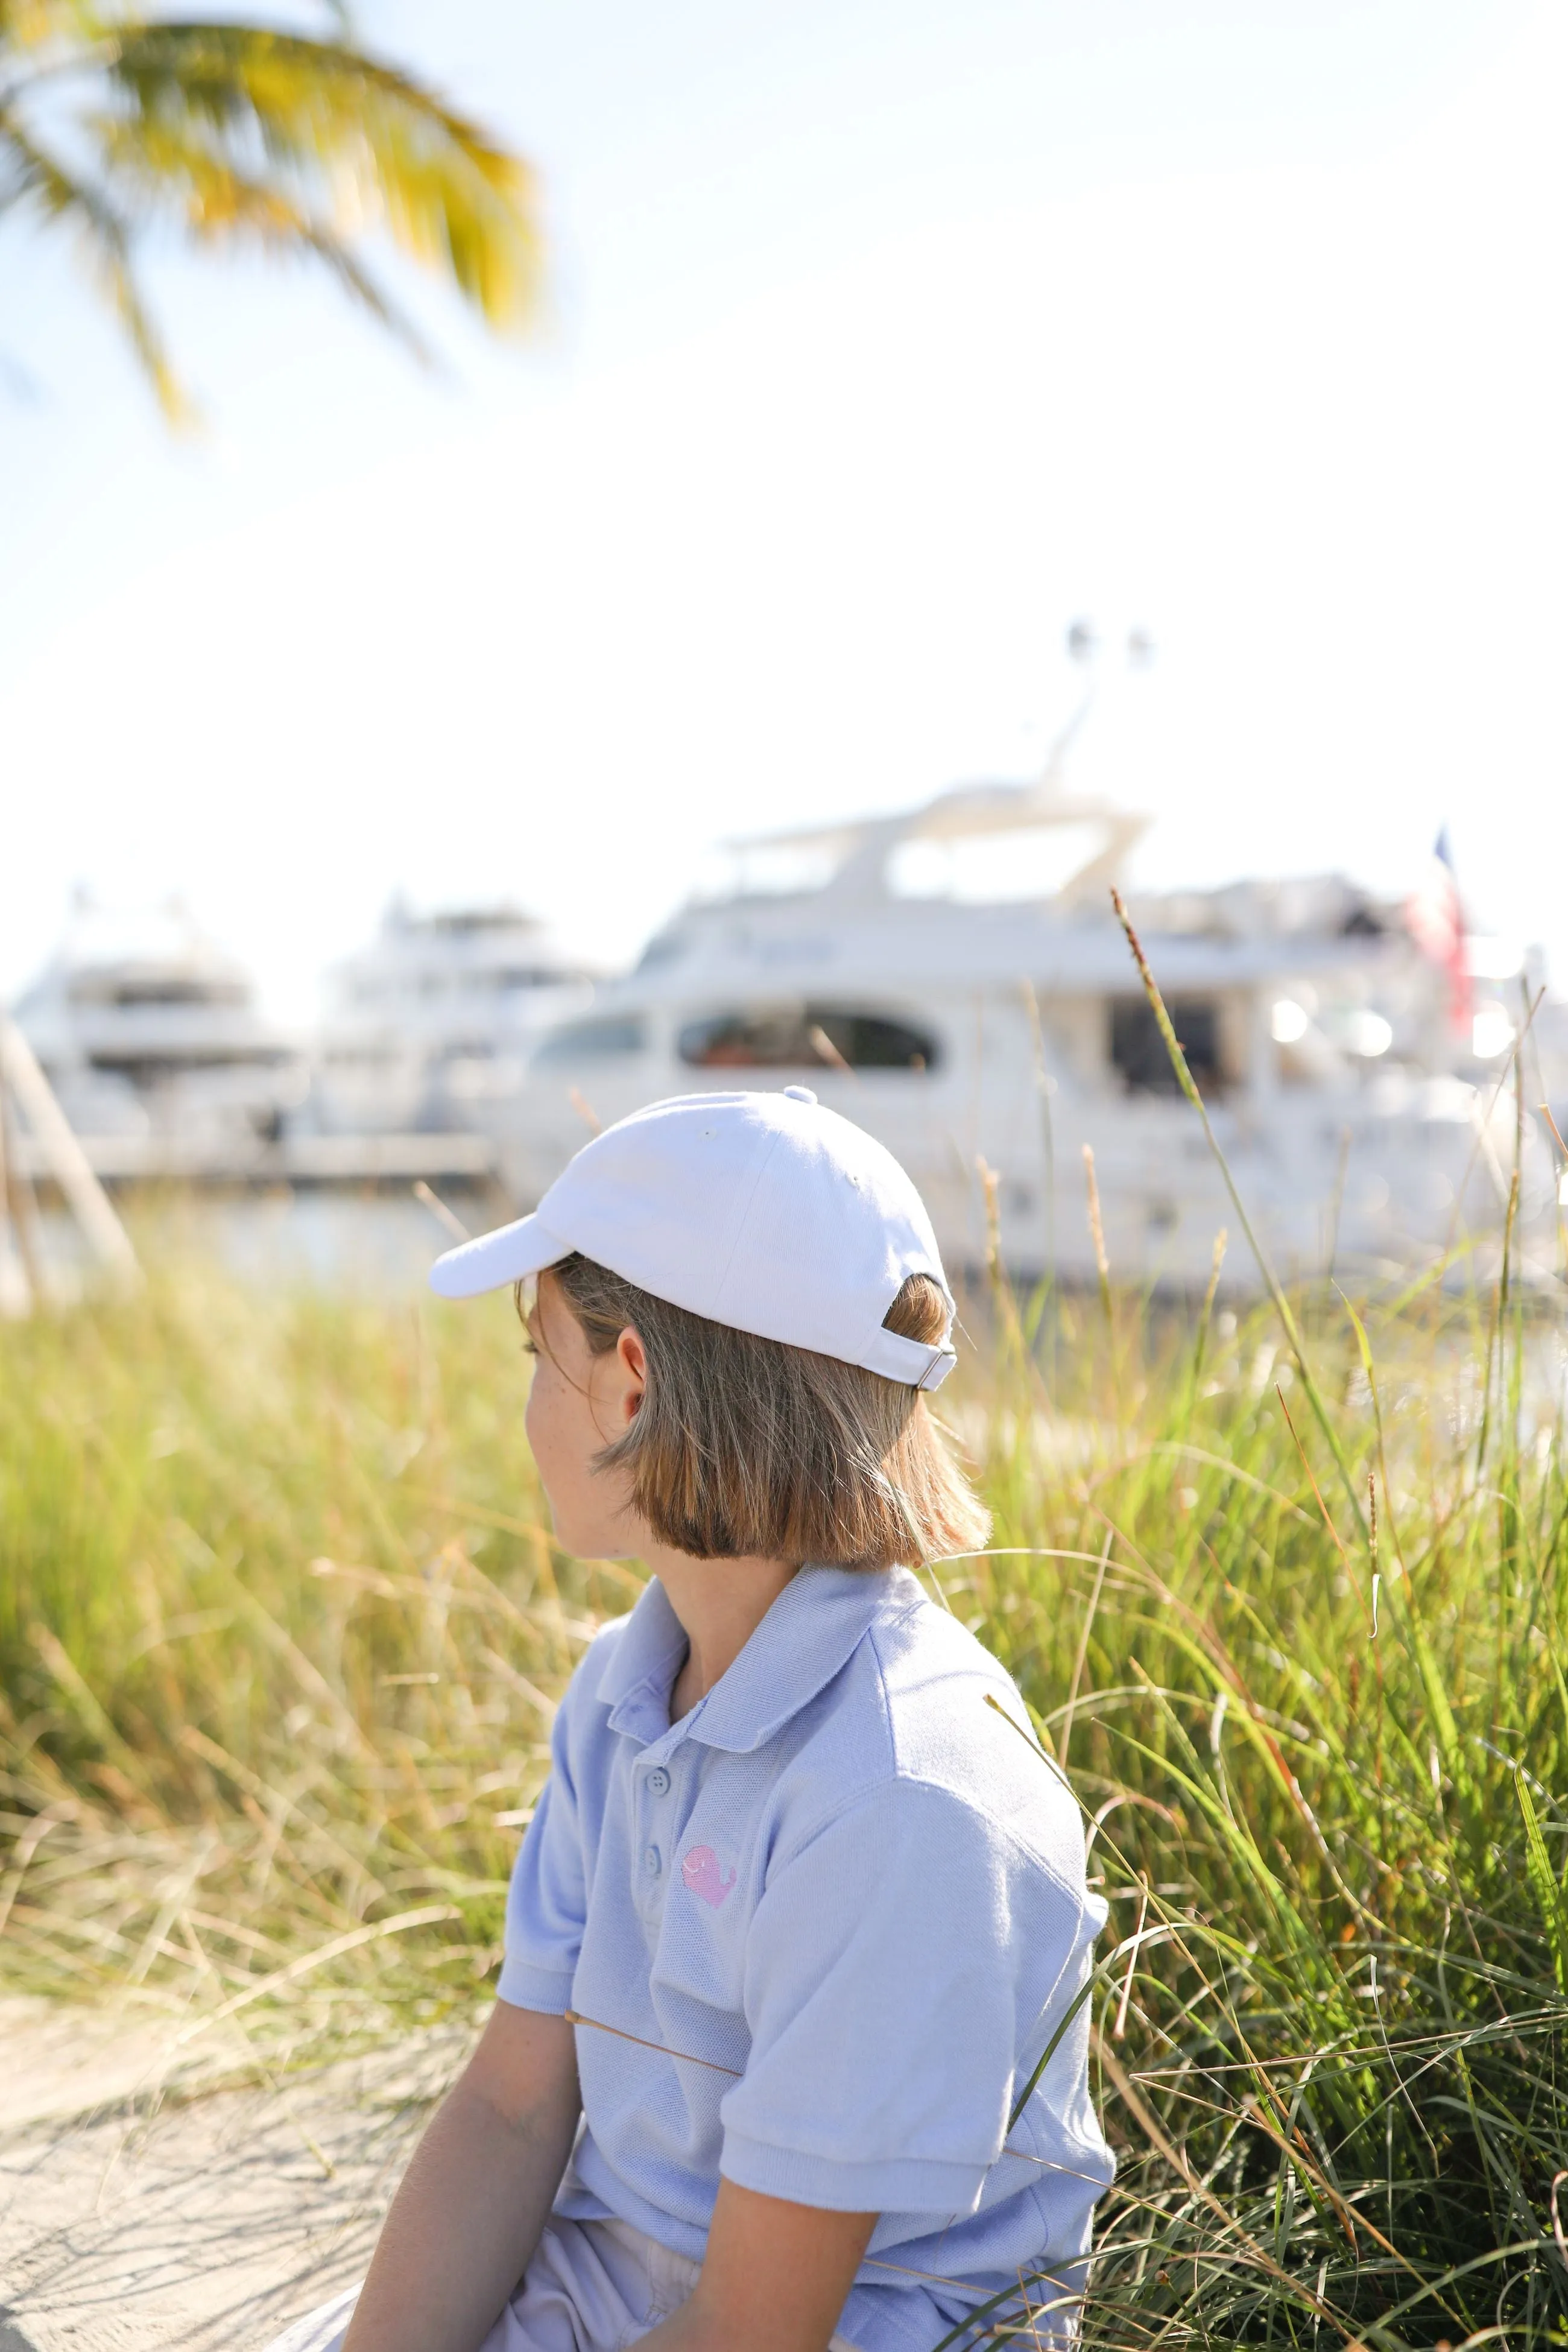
pixel 280 1633
pixel 280 1630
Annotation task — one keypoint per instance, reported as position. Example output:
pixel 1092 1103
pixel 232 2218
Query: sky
pixel 882 340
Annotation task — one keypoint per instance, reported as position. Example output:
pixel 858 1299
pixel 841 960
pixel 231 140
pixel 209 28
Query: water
pixel 377 1244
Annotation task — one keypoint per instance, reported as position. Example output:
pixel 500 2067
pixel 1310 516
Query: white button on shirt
pixel 847 1904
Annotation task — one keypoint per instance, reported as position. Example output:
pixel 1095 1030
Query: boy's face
pixel 579 1404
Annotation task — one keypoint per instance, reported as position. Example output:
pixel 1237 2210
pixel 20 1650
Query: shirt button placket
pixel 656 1784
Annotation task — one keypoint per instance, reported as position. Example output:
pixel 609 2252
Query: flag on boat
pixel 1437 919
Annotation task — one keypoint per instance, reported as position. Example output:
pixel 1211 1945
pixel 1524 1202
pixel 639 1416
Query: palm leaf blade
pixel 38 175
pixel 234 133
pixel 354 141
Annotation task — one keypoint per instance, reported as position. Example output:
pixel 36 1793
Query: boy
pixel 798 1912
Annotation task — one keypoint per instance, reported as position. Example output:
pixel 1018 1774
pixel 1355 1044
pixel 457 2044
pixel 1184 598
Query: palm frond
pixel 169 170
pixel 38 174
pixel 233 134
pixel 354 143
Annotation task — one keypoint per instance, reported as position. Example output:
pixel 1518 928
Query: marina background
pixel 882 347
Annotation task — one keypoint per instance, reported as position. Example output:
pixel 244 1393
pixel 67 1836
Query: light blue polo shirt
pixel 846 1907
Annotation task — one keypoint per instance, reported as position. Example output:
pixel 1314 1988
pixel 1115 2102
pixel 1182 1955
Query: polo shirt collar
pixel 813 1630
pixel 636 1684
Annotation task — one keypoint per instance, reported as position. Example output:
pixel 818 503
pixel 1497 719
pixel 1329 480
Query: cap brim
pixel 497 1260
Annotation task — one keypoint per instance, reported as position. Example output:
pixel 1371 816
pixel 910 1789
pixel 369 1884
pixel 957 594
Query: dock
pixel 291 1160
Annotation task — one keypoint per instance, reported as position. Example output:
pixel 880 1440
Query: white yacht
pixel 152 1042
pixel 954 979
pixel 428 1028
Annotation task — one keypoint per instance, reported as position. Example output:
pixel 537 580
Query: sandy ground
pixel 142 2206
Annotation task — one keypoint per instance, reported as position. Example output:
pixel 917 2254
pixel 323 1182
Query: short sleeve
pixel 546 1903
pixel 897 1967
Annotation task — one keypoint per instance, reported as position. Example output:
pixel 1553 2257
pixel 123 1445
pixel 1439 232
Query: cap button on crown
pixel 800 1094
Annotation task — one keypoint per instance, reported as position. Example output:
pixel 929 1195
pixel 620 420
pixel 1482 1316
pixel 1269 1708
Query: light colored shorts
pixel 592 2287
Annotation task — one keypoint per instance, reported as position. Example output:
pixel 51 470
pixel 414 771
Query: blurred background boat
pixel 167 1070
pixel 154 1045
pixel 954 980
pixel 428 1028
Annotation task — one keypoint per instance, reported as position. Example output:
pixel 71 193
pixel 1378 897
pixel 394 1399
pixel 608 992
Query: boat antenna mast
pixel 1083 646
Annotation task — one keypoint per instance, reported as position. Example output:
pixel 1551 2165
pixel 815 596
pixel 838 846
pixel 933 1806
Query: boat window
pixel 1138 1050
pixel 806 1037
pixel 204 993
pixel 591 1041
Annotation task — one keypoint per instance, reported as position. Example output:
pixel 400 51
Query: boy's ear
pixel 633 1358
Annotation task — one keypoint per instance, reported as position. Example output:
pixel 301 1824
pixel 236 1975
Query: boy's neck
pixel 720 1604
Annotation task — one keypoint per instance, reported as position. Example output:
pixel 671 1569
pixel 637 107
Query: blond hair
pixel 745 1447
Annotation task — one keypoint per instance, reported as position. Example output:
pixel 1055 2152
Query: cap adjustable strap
pixel 913 1362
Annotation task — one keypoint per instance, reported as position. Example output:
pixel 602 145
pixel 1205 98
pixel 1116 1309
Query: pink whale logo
pixel 706 1876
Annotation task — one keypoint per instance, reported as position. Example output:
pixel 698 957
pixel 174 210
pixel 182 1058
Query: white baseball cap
pixel 766 1212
